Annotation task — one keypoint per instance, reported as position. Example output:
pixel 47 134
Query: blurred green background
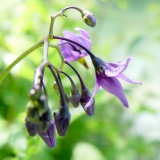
pixel 124 28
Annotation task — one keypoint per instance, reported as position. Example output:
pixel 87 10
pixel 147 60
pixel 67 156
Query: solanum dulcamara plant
pixel 71 47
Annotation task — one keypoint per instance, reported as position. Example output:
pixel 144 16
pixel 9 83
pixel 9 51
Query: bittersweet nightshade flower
pixel 62 119
pixel 49 135
pixel 32 128
pixel 85 94
pixel 107 75
pixel 75 96
pixel 44 121
pixel 85 98
pixel 72 52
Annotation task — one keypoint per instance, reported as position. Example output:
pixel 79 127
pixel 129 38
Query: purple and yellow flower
pixel 107 76
pixel 72 52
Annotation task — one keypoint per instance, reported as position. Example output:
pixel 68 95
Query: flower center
pixel 99 65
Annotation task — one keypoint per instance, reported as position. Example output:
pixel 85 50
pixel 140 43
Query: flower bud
pixel 89 18
pixel 42 104
pixel 49 135
pixel 32 128
pixel 32 113
pixel 44 121
pixel 85 97
pixel 75 97
pixel 62 120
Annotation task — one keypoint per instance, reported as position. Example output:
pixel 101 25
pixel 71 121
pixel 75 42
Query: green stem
pixel 45 50
pixel 23 55
pixel 57 47
pixel 60 13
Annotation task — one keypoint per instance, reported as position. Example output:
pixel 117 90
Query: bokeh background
pixel 124 28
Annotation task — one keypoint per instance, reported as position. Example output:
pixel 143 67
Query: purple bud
pixel 32 128
pixel 62 119
pixel 85 97
pixel 49 136
pixel 89 18
pixel 75 97
pixel 42 104
pixel 44 121
pixel 32 113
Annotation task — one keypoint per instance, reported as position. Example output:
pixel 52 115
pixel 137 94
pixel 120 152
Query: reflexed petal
pixel 70 35
pixel 92 96
pixel 83 32
pixel 84 42
pixel 68 53
pixel 122 76
pixel 72 52
pixel 113 86
pixel 114 69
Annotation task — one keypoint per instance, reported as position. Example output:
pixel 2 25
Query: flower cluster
pixel 72 47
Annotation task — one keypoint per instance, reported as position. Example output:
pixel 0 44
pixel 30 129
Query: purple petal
pixel 114 69
pixel 122 76
pixel 113 86
pixel 49 136
pixel 70 35
pixel 84 42
pixel 83 32
pixel 72 52
pixel 68 53
pixel 88 104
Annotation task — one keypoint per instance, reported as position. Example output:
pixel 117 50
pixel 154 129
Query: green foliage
pixel 124 28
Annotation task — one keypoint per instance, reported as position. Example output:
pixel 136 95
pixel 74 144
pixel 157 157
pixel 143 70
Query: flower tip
pixel 32 128
pixel 89 18
pixel 49 136
pixel 62 120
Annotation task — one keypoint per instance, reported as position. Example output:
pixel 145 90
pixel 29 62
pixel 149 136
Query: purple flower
pixel 107 75
pixel 72 52
pixel 49 135
pixel 85 97
pixel 62 119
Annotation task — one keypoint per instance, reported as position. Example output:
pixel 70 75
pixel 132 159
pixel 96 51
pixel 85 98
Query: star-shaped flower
pixel 107 76
pixel 72 52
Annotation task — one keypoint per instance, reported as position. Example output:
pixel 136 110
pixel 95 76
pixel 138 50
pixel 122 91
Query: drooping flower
pixel 72 52
pixel 62 119
pixel 49 135
pixel 107 76
pixel 85 97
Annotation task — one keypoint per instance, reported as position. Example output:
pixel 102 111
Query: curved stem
pixel 39 75
pixel 72 83
pixel 80 79
pixel 23 55
pixel 72 7
pixel 60 13
pixel 66 39
pixel 45 50
pixel 56 46
pixel 63 102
